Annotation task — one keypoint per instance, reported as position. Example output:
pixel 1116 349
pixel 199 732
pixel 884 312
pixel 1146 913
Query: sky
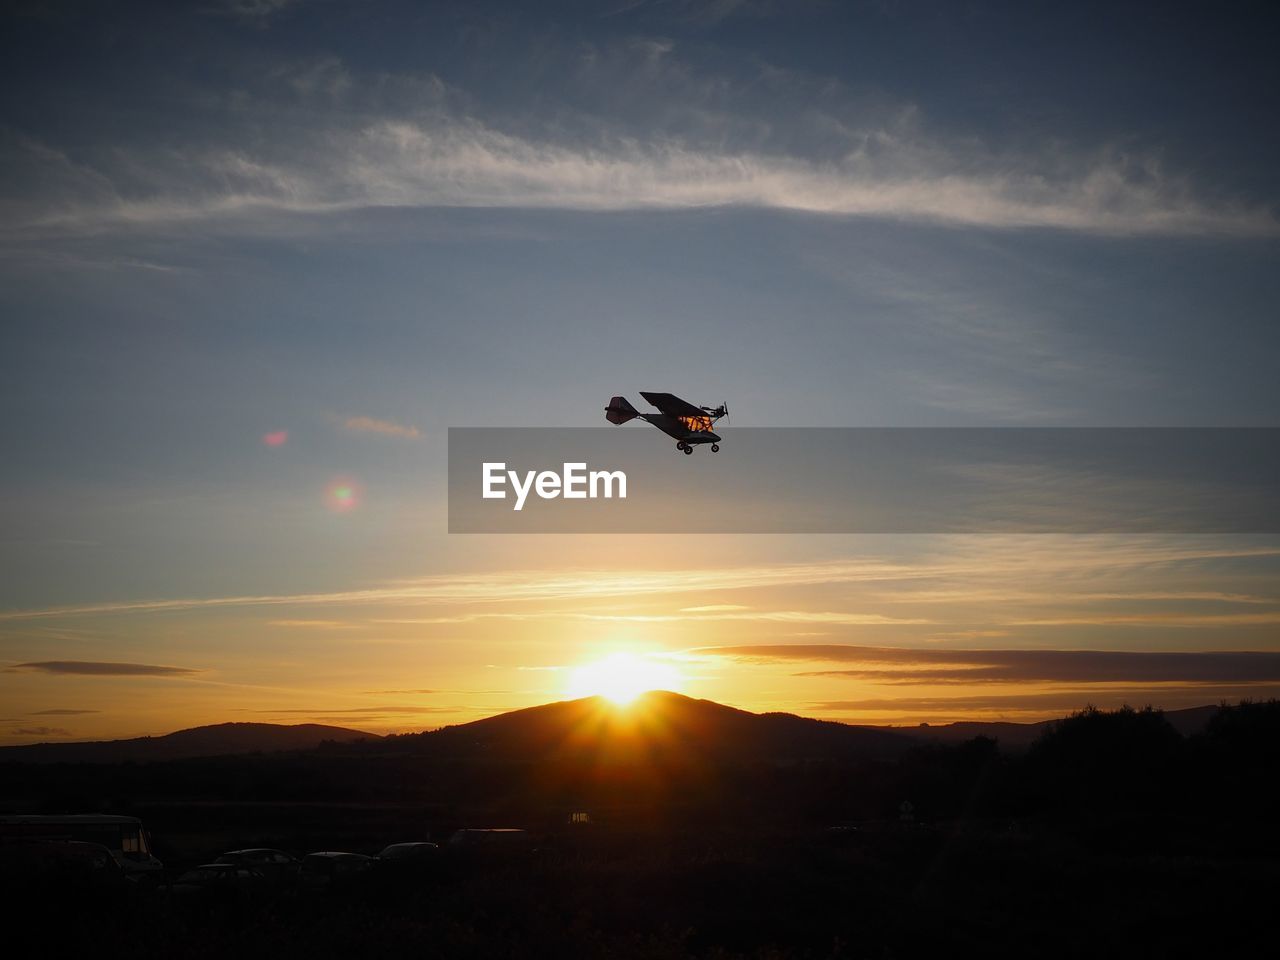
pixel 256 256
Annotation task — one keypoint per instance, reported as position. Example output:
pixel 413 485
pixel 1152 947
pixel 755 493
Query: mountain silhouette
pixel 659 727
pixel 219 739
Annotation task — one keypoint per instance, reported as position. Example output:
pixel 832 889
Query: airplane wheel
pixel 715 448
pixel 688 450
pixel 681 446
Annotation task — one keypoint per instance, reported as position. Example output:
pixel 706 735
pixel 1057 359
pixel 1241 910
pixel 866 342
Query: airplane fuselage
pixel 692 430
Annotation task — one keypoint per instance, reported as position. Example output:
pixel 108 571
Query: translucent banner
pixel 633 479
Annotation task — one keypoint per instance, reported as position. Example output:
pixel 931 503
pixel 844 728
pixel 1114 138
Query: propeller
pixel 717 412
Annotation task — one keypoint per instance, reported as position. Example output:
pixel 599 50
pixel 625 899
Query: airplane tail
pixel 620 411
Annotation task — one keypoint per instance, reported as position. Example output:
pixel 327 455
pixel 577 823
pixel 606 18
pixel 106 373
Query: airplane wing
pixel 672 405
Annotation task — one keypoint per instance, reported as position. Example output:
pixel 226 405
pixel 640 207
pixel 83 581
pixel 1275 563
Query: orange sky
pixel 878 630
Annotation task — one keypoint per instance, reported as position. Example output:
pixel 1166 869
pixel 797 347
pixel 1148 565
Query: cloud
pixel 522 585
pixel 1035 705
pixel 903 665
pixel 255 11
pixel 633 123
pixel 40 732
pixel 355 711
pixel 102 669
pixel 761 616
pixel 764 616
pixel 1158 620
pixel 384 427
pixel 400 692
pixel 62 713
pixel 313 624
pixel 1008 562
pixel 444 160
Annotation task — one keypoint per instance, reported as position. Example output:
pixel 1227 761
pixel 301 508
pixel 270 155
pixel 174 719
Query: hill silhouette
pixel 1016 737
pixel 219 739
pixel 659 727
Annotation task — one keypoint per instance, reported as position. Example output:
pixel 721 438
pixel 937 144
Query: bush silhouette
pixel 1104 757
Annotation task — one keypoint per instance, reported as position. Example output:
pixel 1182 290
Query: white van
pixel 125 837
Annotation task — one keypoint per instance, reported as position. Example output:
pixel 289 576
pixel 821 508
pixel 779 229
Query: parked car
pixel 415 860
pixel 275 865
pixel 219 880
pixel 413 852
pixel 334 868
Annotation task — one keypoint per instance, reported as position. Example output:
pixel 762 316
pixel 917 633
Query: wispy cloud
pixel 62 713
pixel 91 668
pixel 626 124
pixel 40 732
pixel 1158 620
pixel 1033 706
pixel 902 665
pixel 355 711
pixel 255 11
pixel 509 586
pixel 989 569
pixel 385 427
pixel 449 161
pixel 400 692
pixel 729 613
pixel 313 624
pixel 852 619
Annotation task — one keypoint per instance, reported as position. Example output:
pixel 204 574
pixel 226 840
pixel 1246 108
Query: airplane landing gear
pixel 715 448
pixel 683 447
pixel 687 449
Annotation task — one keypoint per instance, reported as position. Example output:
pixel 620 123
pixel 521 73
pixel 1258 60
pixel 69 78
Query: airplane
pixel 689 425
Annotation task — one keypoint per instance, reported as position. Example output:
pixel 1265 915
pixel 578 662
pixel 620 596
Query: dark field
pixel 1113 836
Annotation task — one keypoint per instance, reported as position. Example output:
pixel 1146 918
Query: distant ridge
pixel 669 727
pixel 217 739
pixel 1018 736
pixel 670 722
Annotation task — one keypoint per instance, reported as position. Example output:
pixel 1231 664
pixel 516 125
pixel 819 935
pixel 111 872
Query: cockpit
pixel 696 424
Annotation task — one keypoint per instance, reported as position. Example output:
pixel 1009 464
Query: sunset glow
pixel 263 257
pixel 621 677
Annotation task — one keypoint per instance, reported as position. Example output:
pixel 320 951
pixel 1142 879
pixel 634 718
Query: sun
pixel 621 677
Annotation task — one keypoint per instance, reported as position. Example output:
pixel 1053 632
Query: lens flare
pixel 343 494
pixel 276 438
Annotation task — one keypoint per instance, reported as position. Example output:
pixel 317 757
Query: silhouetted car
pixel 275 865
pixel 219 880
pixel 328 868
pixel 408 860
pixel 415 852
